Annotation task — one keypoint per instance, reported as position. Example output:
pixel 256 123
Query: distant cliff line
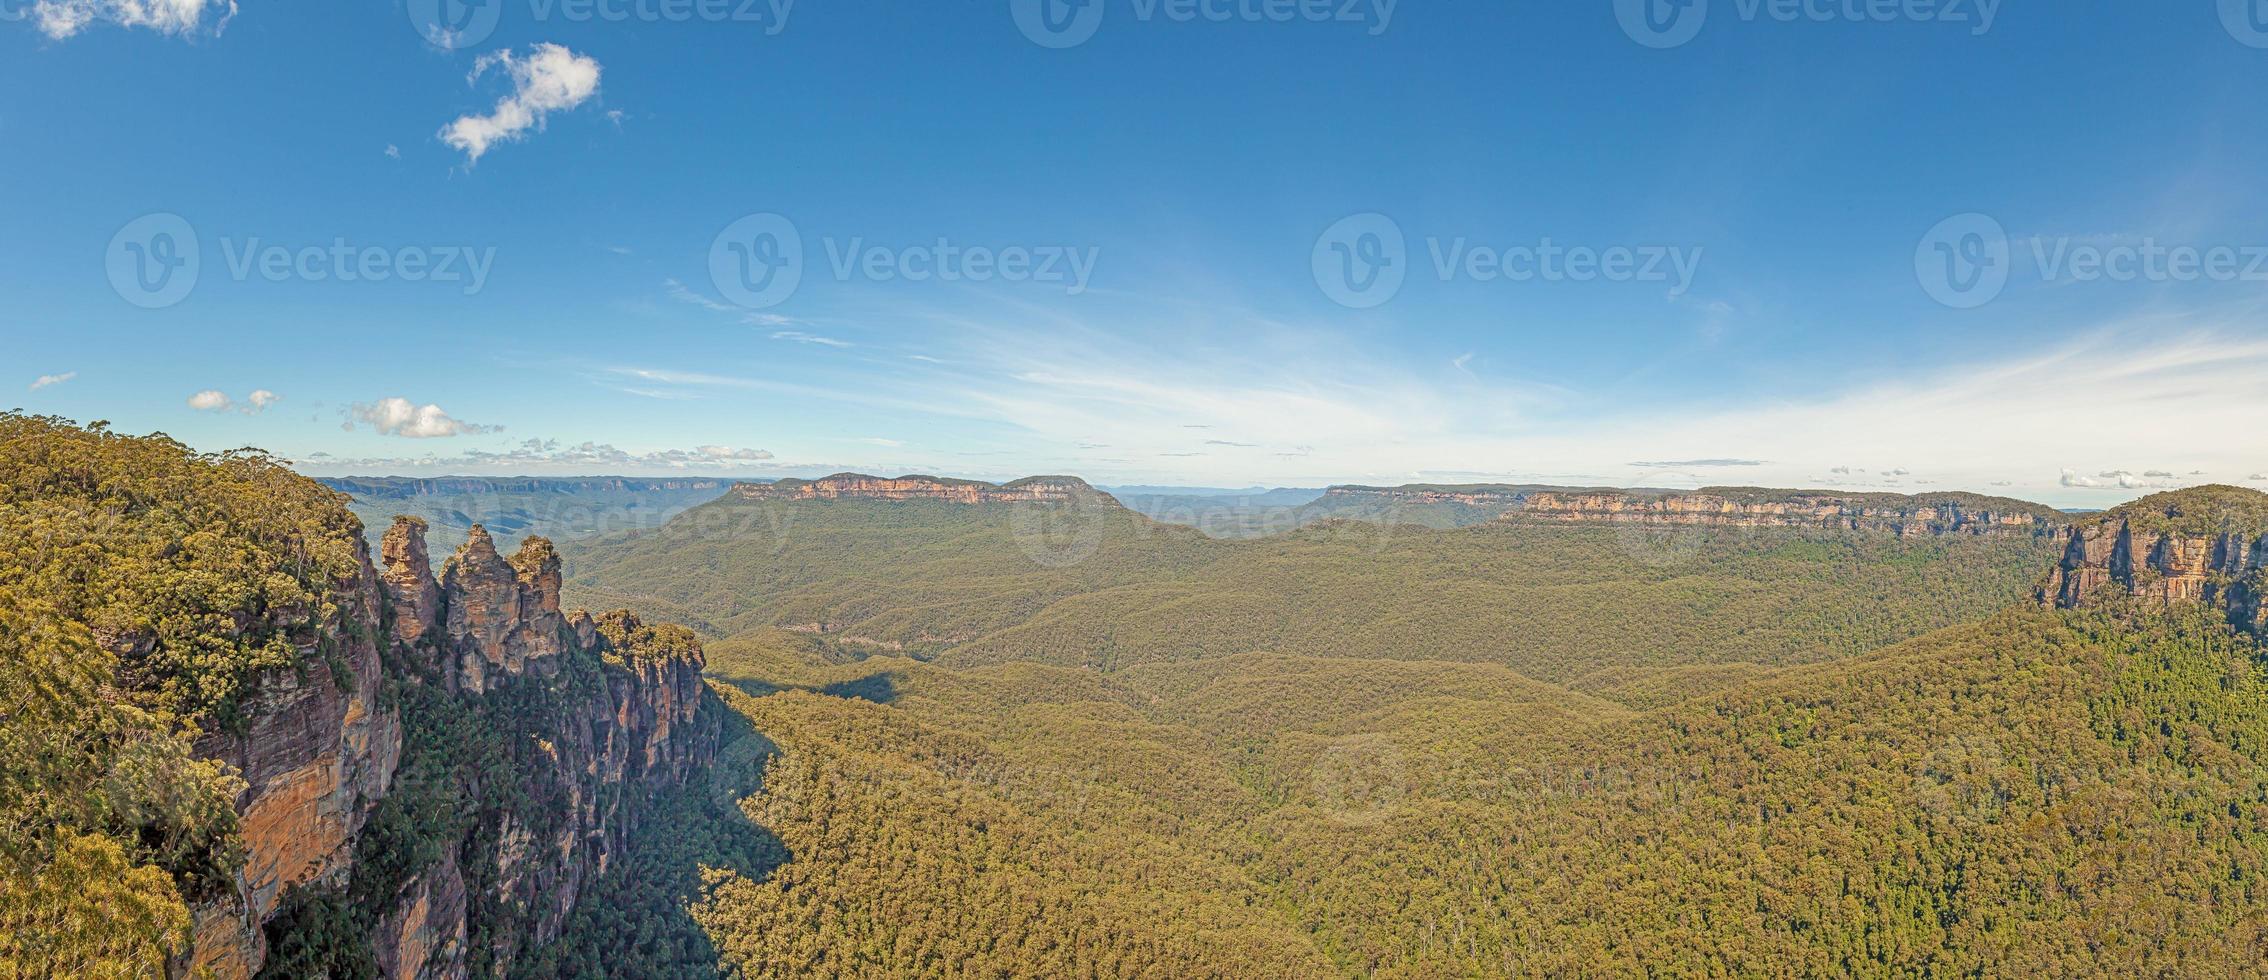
pixel 859 486
pixel 397 487
pixel 1901 514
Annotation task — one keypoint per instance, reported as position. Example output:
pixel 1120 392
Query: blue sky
pixel 1761 204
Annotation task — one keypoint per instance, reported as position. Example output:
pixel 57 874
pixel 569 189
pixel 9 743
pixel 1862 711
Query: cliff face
pixel 318 748
pixel 1920 516
pixel 1916 516
pixel 583 719
pixel 2208 545
pixel 601 721
pixel 857 486
pixel 1423 495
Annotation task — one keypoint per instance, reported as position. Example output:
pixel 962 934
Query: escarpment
pixel 1904 516
pixel 2203 545
pixel 1924 515
pixel 457 832
pixel 855 486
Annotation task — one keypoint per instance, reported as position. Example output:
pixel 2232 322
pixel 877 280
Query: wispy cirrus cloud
pixel 1682 464
pixel 798 336
pixel 1084 399
pixel 51 380
pixel 685 294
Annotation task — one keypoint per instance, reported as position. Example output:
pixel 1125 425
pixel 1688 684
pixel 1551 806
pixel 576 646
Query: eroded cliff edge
pixel 1920 515
pixel 2202 545
pixel 439 809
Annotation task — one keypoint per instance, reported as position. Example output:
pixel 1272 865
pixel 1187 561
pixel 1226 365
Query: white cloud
pixel 549 455
pixel 2120 480
pixel 404 418
pixel 51 380
pixel 393 151
pixel 214 400
pixel 548 79
pixel 800 337
pixel 60 19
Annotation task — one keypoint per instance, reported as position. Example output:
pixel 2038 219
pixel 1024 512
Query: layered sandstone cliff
pixel 1904 516
pixel 2205 545
pixel 318 747
pixel 843 486
pixel 585 718
pixel 603 714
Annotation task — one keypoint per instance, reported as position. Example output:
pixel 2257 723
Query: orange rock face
pixel 2223 569
pixel 313 756
pixel 408 580
pixel 503 619
pixel 318 755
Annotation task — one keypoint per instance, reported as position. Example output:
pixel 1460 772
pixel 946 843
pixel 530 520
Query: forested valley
pixel 1002 739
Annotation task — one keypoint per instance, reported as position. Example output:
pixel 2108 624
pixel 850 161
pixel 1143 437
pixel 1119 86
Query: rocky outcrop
pixel 1904 516
pixel 2207 545
pixel 854 486
pixel 503 616
pixel 318 747
pixel 593 717
pixel 599 715
pixel 408 579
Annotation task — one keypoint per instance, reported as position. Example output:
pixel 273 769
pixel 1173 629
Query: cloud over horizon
pixel 406 419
